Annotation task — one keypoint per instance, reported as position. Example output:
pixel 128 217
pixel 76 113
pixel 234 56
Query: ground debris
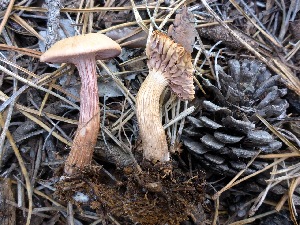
pixel 183 30
pixel 160 194
pixel 40 107
pixel 7 211
pixel 219 33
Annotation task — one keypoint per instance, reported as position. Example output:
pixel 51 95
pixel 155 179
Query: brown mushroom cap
pixel 66 50
pixel 174 62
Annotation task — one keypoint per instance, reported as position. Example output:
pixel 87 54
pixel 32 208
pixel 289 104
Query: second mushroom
pixel 169 65
pixel 82 51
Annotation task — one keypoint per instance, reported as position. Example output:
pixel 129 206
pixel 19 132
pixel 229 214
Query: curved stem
pixel 89 121
pixel 155 147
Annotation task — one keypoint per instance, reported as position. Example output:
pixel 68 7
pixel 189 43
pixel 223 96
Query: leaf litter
pixel 125 189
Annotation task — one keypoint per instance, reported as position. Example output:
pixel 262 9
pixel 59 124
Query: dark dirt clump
pixel 159 194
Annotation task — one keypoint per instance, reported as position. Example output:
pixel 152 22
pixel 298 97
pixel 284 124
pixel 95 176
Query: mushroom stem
pixel 155 147
pixel 89 119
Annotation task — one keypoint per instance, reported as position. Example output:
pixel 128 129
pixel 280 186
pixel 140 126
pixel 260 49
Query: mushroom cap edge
pixel 66 50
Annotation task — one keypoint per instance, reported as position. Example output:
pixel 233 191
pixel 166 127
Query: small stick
pixel 53 15
pixel 23 169
pixel 180 116
pixel 7 13
pixel 231 183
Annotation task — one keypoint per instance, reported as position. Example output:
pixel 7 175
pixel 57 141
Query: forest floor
pixel 234 147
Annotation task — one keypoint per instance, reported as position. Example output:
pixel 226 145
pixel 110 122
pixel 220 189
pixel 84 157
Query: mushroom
pixel 169 65
pixel 82 51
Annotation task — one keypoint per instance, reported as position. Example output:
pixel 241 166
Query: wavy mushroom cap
pixel 69 49
pixel 174 62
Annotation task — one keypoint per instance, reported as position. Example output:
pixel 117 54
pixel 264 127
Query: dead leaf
pixel 183 30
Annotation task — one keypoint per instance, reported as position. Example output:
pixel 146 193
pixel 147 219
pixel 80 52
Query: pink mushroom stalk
pixel 82 51
pixel 169 65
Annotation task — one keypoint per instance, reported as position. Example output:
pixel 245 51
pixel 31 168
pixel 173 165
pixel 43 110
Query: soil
pixel 40 105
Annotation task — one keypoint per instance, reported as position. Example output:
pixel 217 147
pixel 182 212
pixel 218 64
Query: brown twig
pixel 7 13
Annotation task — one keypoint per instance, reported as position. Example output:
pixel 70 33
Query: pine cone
pixel 226 133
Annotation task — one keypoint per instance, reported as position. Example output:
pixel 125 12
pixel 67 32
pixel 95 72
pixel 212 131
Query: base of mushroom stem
pixel 174 194
pixel 72 170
